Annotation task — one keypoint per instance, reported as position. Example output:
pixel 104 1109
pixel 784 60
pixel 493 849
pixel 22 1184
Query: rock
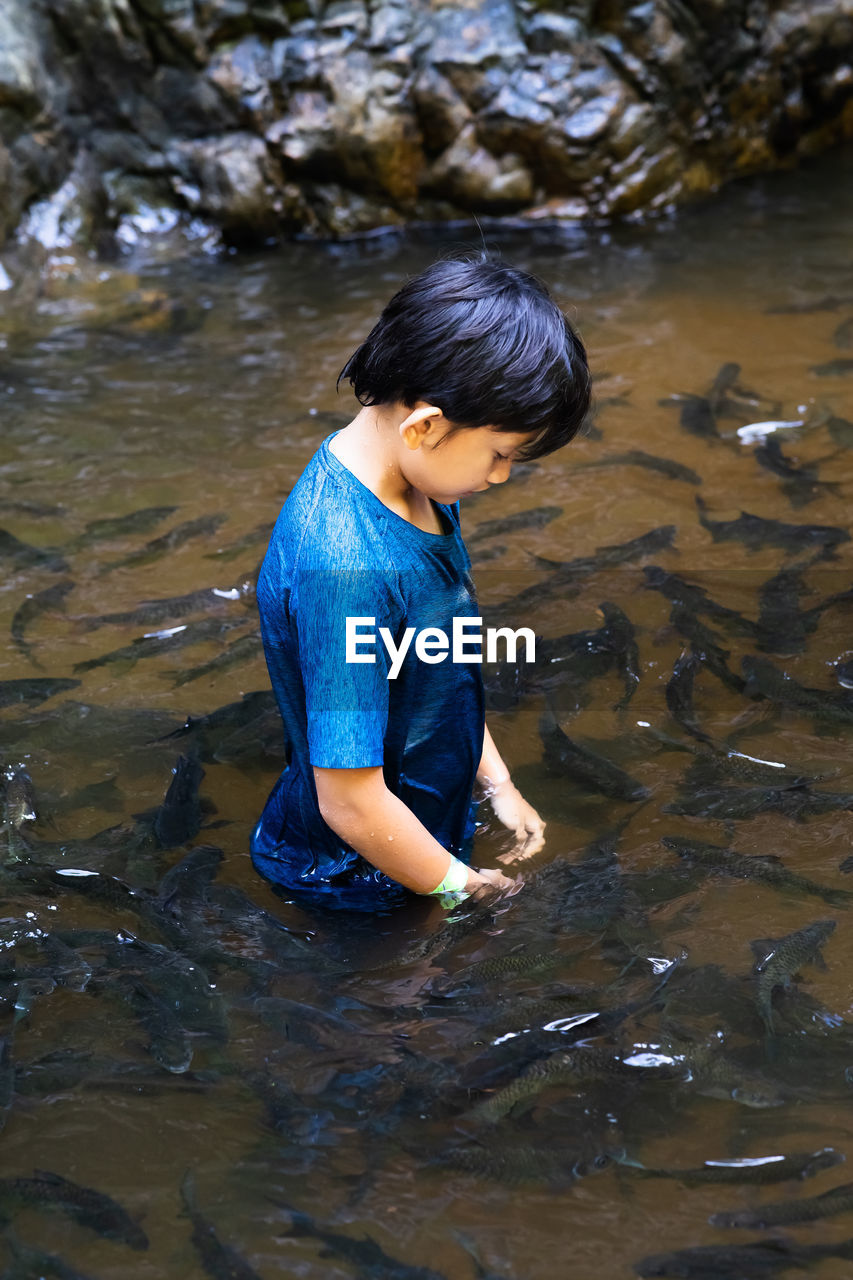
pixel 170 118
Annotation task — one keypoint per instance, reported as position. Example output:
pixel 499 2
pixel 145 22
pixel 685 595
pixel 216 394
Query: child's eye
pixel 502 456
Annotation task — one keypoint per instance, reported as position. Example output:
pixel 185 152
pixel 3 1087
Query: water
pixel 207 392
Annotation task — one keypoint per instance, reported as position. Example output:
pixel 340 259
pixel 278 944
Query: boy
pixel 470 367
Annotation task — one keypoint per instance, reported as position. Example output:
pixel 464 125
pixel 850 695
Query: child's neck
pixel 369 447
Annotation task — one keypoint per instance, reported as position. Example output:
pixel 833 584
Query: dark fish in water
pixel 7 1079
pixel 25 508
pixel 33 689
pixel 715 766
pixel 697 416
pixel 830 302
pixel 204 527
pixel 714 1075
pixel 637 458
pixel 844 674
pixel 764 680
pixel 19 798
pixel 843 335
pixel 755 532
pixel 42 602
pixel 800 484
pixel 795 801
pixel 568 572
pixel 515 1166
pixel 578 764
pixel 67 967
pixel 841 431
pixel 179 816
pixel 158 642
pixel 259 534
pixel 727 376
pixel 516 962
pixel 739 1262
pixel 756 1170
pixel 219 1260
pixel 92 1209
pixel 23 556
pixel 782 627
pixel 365 1255
pixel 169 1042
pixel 259 742
pixel 27 1263
pixel 581 656
pixel 142 521
pixel 184 886
pixel 208 732
pixel 705 644
pixel 583 1062
pixel 833 368
pixel 239 651
pixel 679 694
pixel 533 519
pixel 785 1213
pixel 687 596
pixel 719 860
pixel 207 600
pixel 780 959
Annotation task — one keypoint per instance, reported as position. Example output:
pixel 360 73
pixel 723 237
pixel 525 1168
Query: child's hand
pixel 488 882
pixel 513 811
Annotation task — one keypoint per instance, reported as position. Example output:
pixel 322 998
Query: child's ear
pixel 420 423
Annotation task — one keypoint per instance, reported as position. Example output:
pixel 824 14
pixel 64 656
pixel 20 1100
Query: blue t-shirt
pixel 336 552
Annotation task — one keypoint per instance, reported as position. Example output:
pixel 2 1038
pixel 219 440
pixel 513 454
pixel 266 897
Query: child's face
pixel 467 462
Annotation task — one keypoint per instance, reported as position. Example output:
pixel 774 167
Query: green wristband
pixel 455 879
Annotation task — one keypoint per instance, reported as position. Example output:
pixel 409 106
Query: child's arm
pixel 508 803
pixel 358 806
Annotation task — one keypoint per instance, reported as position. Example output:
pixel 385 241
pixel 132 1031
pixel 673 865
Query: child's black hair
pixel 487 344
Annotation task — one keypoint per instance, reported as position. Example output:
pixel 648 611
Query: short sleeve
pixel 338 616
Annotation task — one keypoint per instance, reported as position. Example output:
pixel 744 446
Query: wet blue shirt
pixel 337 551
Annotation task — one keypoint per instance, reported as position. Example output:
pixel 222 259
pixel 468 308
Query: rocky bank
pixel 251 119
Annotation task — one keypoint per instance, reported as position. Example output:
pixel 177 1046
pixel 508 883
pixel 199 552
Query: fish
pixel 34 689
pixel 210 731
pixel 28 1263
pixel 782 627
pixel 203 527
pixel 756 1170
pixel 150 612
pixel 582 1062
pixel 184 886
pixel 241 650
pixel 830 302
pixel 7 1079
pixel 261 533
pixel 765 680
pixel 221 1261
pixel 169 1042
pixel 158 642
pixel 679 694
pixel 800 484
pixel 795 801
pixel 179 817
pixel 91 1208
pixel 45 601
pixel 705 644
pixel 756 532
pixel 23 556
pixel 535 518
pixel 141 521
pixel 576 658
pixel 515 1166
pixel 844 674
pixel 368 1259
pixel 714 1074
pixel 696 417
pixel 719 860
pixel 578 764
pixel 833 368
pixel 261 741
pixel 785 1213
pixel 840 430
pixel 739 1262
pixel 780 959
pixel 651 462
pixel 567 573
pixel 691 598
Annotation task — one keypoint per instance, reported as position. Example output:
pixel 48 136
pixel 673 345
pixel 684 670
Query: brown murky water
pixel 206 388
